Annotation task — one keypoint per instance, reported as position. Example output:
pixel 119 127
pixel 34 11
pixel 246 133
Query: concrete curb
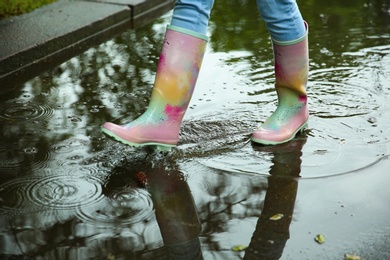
pixel 48 36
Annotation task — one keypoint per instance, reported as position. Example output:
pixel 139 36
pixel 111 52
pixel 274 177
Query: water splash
pixel 70 145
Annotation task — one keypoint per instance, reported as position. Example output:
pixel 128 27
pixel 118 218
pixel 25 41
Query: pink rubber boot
pixel 178 68
pixel 291 72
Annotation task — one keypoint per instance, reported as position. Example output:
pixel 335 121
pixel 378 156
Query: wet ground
pixel 69 192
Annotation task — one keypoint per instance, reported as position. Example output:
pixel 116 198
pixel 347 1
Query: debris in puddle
pixel 239 248
pixel 110 256
pixel 352 257
pixel 276 216
pixel 320 238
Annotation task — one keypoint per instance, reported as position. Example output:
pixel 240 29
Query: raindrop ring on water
pixel 65 192
pixel 27 111
pixel 125 206
pixel 12 158
pixel 15 192
pixel 70 145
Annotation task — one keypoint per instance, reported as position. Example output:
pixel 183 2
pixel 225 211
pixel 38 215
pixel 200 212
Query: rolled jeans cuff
pixel 283 19
pixel 192 15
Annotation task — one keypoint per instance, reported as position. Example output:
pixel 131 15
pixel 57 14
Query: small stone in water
pixel 372 120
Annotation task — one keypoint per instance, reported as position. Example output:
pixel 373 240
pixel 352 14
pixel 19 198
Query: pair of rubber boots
pixel 178 68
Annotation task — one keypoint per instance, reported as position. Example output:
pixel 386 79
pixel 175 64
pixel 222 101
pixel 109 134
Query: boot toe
pixel 270 137
pixel 273 137
pixel 111 127
pixel 139 136
pixel 114 130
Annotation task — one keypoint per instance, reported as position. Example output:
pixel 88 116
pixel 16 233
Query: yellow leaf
pixel 276 216
pixel 352 257
pixel 320 238
pixel 239 248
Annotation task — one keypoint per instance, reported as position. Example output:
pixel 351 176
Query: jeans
pixel 282 17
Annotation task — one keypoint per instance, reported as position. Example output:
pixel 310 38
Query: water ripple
pixel 332 99
pixel 26 111
pixel 65 192
pixel 70 145
pixel 12 158
pixel 127 206
pixel 13 195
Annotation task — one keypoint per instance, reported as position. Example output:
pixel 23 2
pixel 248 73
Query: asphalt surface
pixel 46 37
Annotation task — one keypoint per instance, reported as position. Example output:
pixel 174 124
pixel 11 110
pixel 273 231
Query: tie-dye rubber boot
pixel 291 73
pixel 178 68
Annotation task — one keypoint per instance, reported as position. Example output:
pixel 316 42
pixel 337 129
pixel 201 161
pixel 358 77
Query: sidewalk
pixel 37 41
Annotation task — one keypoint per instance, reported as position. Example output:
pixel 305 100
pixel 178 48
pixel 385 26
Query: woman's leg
pixel 290 45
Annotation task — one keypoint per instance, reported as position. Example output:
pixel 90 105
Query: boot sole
pixel 155 145
pixel 266 142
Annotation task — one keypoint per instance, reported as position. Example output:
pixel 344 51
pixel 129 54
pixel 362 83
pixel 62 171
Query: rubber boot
pixel 177 72
pixel 291 72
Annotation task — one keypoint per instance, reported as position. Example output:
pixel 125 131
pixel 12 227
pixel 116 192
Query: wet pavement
pixel 69 192
pixel 40 40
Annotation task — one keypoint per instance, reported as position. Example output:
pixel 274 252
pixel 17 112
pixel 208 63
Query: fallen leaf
pixel 352 257
pixel 276 216
pixel 239 248
pixel 320 239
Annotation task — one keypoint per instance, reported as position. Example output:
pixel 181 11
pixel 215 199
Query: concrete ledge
pixel 143 10
pixel 44 38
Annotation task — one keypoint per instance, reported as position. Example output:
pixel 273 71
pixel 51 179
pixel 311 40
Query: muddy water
pixel 69 192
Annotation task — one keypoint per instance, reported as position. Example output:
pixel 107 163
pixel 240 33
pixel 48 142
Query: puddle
pixel 69 192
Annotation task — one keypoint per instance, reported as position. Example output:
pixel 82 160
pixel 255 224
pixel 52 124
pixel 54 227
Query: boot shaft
pixel 292 64
pixel 177 72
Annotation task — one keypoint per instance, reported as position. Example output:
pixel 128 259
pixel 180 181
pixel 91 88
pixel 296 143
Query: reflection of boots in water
pixel 272 229
pixel 176 214
pixel 291 72
pixel 178 68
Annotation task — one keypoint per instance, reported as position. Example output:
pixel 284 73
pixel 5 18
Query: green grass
pixel 16 7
